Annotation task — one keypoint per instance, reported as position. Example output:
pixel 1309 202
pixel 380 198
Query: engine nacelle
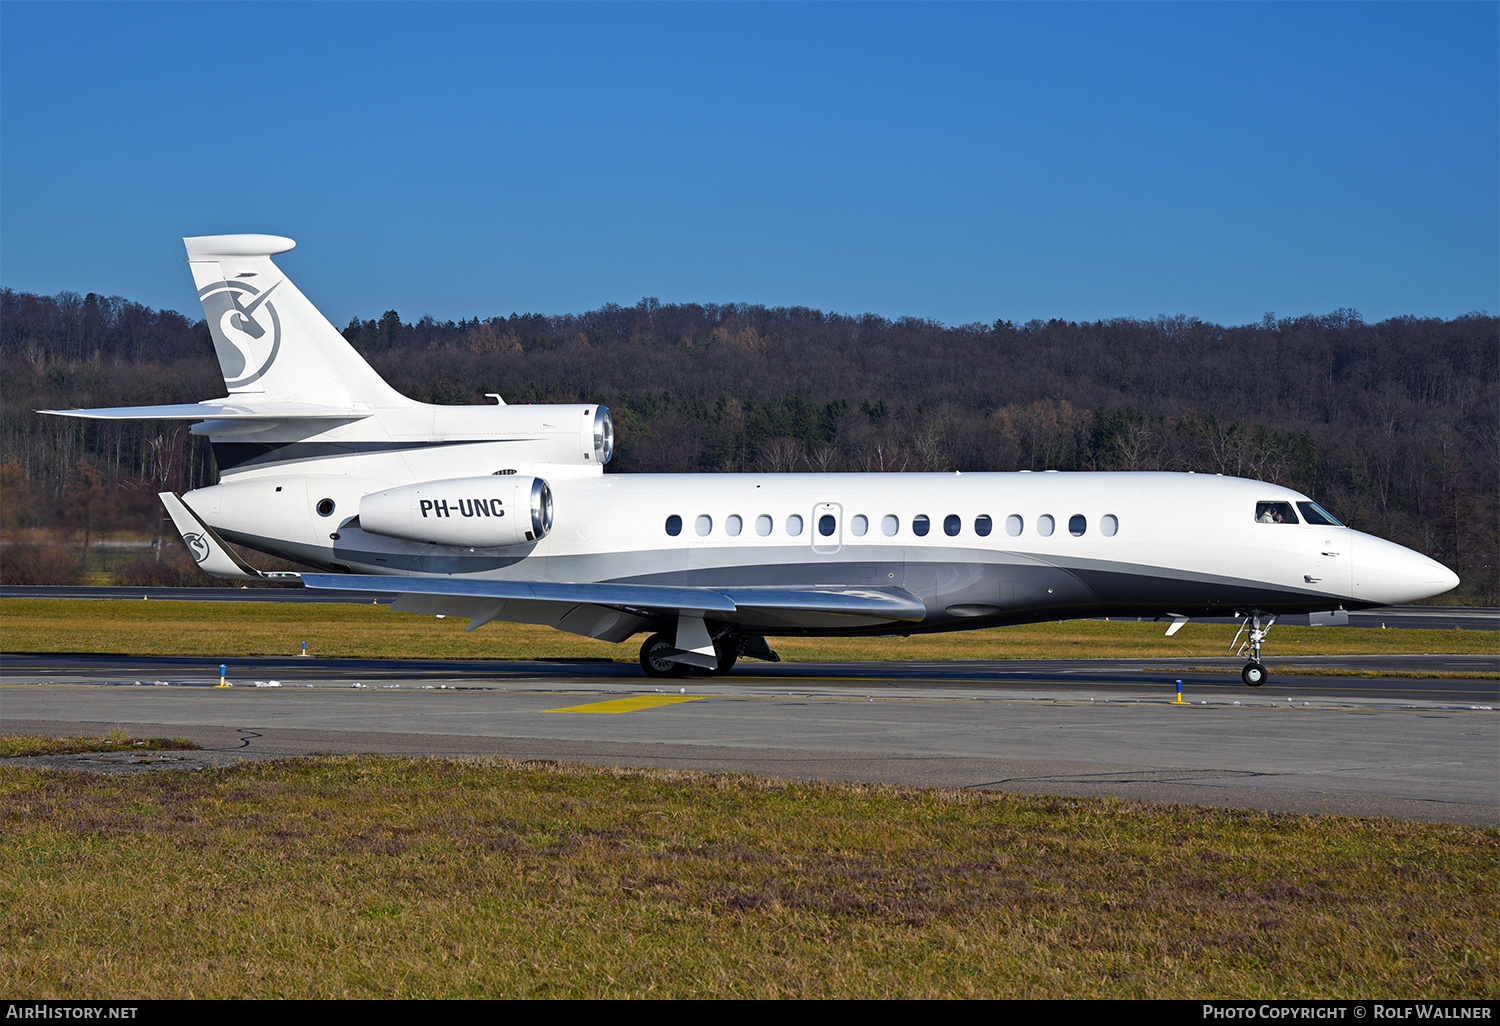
pixel 476 512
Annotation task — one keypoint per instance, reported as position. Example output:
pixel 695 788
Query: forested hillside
pixel 1393 426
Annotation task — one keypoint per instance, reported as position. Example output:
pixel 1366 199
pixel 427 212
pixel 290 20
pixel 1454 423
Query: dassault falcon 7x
pixel 497 512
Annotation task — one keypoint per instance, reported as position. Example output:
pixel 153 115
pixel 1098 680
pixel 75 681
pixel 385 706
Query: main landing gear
pixel 655 661
pixel 1259 625
pixel 658 652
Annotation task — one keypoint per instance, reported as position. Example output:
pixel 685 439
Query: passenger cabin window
pixel 1077 525
pixel 1014 525
pixel 859 525
pixel 733 525
pixel 1108 525
pixel 674 525
pixel 794 525
pixel 704 526
pixel 826 524
pixel 1045 525
pixel 1315 514
pixel 983 525
pixel 952 525
pixel 763 525
pixel 889 525
pixel 1275 513
pixel 920 525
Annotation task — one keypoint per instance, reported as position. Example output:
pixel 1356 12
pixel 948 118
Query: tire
pixel 727 652
pixel 656 667
pixel 1254 675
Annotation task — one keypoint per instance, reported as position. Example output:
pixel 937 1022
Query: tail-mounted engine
pixel 476 512
pixel 577 435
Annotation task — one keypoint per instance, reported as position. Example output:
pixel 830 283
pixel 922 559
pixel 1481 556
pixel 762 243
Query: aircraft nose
pixel 1388 574
pixel 1447 580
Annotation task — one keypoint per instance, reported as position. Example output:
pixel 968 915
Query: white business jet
pixel 499 512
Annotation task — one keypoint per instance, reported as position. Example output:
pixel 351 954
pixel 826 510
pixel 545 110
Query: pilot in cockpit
pixel 1274 513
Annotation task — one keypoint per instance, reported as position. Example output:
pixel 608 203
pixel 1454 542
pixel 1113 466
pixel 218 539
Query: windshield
pixel 1315 514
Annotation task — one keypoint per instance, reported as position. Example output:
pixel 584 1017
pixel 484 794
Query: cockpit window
pixel 1315 514
pixel 1275 513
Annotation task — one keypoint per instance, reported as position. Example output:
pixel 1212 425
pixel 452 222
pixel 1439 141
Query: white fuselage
pixel 1056 544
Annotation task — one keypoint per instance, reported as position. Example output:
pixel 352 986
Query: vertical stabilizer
pixel 272 343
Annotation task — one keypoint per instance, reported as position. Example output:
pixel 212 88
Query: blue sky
pixel 960 162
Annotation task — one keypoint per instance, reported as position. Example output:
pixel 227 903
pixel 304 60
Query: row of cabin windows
pixel 890 525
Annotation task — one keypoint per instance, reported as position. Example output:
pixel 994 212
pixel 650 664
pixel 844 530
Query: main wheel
pixel 727 652
pixel 654 661
pixel 1253 674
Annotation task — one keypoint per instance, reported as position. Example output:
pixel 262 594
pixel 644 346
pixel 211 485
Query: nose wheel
pixel 1259 625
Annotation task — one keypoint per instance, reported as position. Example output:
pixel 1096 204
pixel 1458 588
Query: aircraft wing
pixel 613 612
pixel 207 548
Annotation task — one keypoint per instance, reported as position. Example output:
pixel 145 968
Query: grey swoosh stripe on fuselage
pixel 994 592
pixel 239 455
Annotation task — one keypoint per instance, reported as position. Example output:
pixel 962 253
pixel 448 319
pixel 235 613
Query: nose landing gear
pixel 1259 624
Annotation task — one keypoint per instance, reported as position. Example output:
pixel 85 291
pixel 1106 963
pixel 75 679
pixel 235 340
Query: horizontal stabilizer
pixel 217 411
pixel 715 603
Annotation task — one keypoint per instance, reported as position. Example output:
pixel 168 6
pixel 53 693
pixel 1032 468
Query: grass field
pixel 380 877
pixel 20 745
pixel 223 629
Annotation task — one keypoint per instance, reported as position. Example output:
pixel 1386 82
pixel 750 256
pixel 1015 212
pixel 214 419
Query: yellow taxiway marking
pixel 625 705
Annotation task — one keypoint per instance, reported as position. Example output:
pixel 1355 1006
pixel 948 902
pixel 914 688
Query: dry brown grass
pixel 373 877
pixel 17 745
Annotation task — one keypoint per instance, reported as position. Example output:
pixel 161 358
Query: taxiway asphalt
pixel 1408 748
pixel 1447 618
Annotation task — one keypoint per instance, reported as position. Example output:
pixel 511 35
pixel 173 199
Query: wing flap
pixel 892 603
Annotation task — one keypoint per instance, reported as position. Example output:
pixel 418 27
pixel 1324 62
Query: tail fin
pixel 272 343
